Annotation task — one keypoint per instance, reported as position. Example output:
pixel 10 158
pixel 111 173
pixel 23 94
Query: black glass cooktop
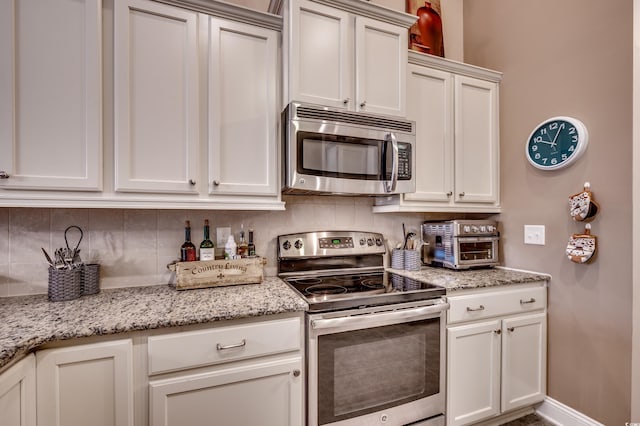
pixel 341 291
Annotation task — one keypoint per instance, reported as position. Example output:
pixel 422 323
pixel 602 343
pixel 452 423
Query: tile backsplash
pixel 134 247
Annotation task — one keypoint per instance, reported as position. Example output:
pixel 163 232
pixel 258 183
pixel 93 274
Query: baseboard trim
pixel 562 415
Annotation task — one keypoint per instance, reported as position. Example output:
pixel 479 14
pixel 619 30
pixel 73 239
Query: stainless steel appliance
pixel 460 244
pixel 375 340
pixel 332 151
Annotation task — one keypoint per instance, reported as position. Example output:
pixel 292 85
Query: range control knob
pixel 491 228
pixel 467 229
pixel 363 241
pixel 483 229
pixel 378 241
pixel 286 245
pixel 474 229
pixel 298 244
pixel 369 241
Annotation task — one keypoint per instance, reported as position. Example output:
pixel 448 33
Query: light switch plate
pixel 534 234
pixel 222 235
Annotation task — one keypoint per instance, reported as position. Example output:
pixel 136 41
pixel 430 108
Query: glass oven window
pixel 367 370
pixel 339 156
pixel 476 250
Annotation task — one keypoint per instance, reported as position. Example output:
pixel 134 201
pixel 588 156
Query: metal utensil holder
pixel 64 284
pixel 90 279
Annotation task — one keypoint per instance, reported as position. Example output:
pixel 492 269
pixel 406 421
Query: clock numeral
pixel 553 126
pixel 574 138
pixel 572 148
pixel 544 160
pixel 538 139
pixel 534 148
pixel 543 131
pixel 572 130
pixel 537 156
pixel 564 157
pixel 554 161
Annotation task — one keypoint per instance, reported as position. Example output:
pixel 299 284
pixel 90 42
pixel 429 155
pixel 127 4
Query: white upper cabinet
pixel 51 95
pixel 455 107
pixel 242 113
pixel 156 97
pixel 346 55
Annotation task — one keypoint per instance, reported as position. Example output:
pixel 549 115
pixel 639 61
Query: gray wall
pixel 574 58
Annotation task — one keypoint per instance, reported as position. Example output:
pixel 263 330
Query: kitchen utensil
pixel 46 255
pixel 72 255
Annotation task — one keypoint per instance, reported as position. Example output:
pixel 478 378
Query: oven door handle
pixel 391 185
pixel 381 318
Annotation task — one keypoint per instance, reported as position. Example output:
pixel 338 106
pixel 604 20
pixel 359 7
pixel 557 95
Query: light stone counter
pixel 27 322
pixel 454 280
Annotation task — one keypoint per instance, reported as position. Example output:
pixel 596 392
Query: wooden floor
pixel 529 420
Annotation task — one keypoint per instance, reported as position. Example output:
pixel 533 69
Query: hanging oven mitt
pixel 582 247
pixel 582 206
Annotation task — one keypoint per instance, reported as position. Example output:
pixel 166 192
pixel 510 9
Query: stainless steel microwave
pixel 333 151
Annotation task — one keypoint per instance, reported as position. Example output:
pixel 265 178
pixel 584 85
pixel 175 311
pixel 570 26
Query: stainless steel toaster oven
pixel 460 244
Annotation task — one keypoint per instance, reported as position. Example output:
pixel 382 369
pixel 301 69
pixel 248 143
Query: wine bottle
pixel 187 250
pixel 243 247
pixel 251 246
pixel 207 250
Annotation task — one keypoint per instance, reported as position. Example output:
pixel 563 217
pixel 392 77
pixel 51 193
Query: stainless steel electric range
pixel 375 340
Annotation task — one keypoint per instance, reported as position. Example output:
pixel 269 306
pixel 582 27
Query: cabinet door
pixel 243 113
pixel 430 105
pixel 156 97
pixel 267 393
pixel 381 66
pixel 321 49
pixel 18 394
pixel 51 94
pixel 86 385
pixel 473 372
pixel 524 360
pixel 476 141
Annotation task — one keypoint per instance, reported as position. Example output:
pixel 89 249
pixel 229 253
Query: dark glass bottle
pixel 187 250
pixel 251 245
pixel 206 246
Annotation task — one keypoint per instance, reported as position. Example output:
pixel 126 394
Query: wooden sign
pixel 217 273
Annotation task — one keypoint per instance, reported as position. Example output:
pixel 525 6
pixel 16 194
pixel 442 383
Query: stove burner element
pixel 325 289
pixel 374 283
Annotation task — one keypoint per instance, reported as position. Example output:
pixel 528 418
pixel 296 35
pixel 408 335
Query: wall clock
pixel 557 142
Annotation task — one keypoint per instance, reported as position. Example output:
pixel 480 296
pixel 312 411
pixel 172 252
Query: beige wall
pixel 569 58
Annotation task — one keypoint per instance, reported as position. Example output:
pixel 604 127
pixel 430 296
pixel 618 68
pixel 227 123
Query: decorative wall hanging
pixel 426 34
pixel 582 247
pixel 582 206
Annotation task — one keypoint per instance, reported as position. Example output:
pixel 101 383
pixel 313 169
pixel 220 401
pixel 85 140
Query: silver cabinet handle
pixel 4 175
pixel 461 194
pixel 449 194
pixel 192 182
pixel 363 104
pixel 524 302
pixel 216 182
pixel 242 344
pixel 346 101
pixel 479 308
pixel 296 373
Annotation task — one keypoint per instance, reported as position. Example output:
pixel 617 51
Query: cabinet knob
pixel 192 182
pixel 346 101
pixel 497 331
pixel 511 329
pixel 449 194
pixel 296 373
pixel 461 194
pixel 4 175
pixel 363 104
pixel 216 182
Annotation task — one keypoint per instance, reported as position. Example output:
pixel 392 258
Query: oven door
pixel 374 366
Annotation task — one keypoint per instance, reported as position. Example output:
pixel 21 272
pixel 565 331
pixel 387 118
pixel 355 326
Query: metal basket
pixel 64 284
pixel 90 279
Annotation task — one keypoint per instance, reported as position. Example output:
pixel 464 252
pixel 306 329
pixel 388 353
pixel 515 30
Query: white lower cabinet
pixel 18 394
pixel 246 374
pixel 86 385
pixel 496 353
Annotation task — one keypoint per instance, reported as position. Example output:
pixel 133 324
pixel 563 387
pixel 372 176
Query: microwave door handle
pixel 391 185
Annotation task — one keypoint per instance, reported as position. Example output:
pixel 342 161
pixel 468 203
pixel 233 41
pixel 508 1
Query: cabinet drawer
pixel 496 303
pixel 198 348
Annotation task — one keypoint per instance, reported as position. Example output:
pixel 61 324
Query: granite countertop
pixel 454 280
pixel 27 322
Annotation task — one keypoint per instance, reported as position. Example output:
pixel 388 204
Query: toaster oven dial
pixel 378 242
pixel 491 228
pixel 363 241
pixel 298 244
pixel 286 245
pixel 369 241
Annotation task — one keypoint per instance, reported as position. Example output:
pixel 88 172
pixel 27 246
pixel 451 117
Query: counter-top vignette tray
pixel 216 273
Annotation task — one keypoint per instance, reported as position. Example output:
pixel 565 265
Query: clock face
pixel 556 143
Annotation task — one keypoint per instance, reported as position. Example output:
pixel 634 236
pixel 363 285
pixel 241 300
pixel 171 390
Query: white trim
pixel 560 414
